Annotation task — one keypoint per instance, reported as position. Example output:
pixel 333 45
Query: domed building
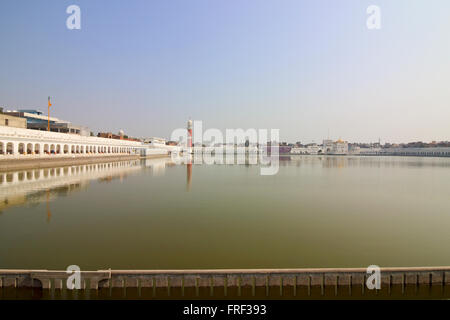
pixel 335 147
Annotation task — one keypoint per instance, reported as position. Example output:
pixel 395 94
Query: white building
pixel 160 144
pixel 327 146
pixel 155 141
pixel 369 151
pixel 311 149
pixel 421 152
pixel 340 147
pixel 27 143
pixel 336 147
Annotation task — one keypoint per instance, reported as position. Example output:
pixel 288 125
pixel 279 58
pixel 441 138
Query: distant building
pixel 327 146
pixel 335 147
pixel 299 150
pixel 369 151
pixel 314 149
pixel 282 149
pixel 160 143
pixel 354 149
pixel 310 149
pixel 155 141
pixel 340 147
pixel 421 152
pixel 37 121
pixel 109 135
pixel 12 121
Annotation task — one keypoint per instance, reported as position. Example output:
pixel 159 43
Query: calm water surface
pixel 153 214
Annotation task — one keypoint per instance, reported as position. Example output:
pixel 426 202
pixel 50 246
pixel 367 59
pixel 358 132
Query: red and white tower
pixel 189 129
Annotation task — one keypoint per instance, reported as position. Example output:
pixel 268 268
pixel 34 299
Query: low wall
pixel 224 278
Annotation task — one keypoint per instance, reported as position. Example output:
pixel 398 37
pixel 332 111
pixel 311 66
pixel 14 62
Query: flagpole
pixel 48 115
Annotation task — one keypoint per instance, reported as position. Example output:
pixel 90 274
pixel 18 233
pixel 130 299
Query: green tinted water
pixel 316 212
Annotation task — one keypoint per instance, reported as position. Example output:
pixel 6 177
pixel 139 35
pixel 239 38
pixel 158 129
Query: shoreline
pixel 19 164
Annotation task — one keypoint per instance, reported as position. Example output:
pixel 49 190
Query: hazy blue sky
pixel 305 67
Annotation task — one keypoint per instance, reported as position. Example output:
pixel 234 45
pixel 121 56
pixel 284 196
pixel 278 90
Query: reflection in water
pixel 189 175
pixel 49 214
pixel 324 161
pixel 44 185
pixel 32 187
pixel 364 161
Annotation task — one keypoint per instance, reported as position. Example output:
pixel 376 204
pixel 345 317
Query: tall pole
pixel 189 129
pixel 48 114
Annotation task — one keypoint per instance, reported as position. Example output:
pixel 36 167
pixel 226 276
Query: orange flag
pixel 49 104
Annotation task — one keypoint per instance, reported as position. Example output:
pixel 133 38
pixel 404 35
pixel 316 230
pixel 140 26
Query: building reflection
pixel 32 187
pixel 49 213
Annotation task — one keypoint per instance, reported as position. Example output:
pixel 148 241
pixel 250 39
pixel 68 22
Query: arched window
pixel 21 148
